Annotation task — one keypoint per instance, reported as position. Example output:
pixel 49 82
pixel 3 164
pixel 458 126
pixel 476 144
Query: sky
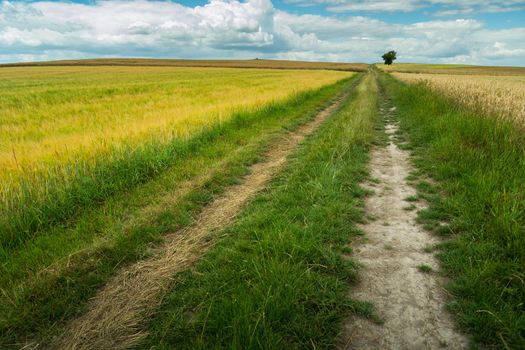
pixel 488 32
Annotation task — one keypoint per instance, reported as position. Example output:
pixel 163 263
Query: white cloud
pixel 140 26
pixel 363 5
pixel 365 39
pixel 233 29
pixel 450 7
pixel 374 6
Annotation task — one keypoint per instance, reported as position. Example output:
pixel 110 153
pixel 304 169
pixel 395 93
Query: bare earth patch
pixel 115 315
pixel 398 276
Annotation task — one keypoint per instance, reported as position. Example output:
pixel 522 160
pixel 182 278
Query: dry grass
pixel 256 63
pixel 451 69
pixel 502 96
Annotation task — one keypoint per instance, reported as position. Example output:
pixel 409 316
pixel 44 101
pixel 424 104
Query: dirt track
pixel 114 317
pixel 409 301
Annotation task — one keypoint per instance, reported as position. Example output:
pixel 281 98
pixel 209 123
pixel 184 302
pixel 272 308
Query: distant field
pixel 57 123
pixel 451 69
pixel 257 63
pixel 502 96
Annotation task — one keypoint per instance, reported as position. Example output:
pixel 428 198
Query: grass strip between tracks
pixel 277 278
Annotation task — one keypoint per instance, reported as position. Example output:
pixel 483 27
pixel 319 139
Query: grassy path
pixel 277 277
pixel 398 275
pixel 114 316
pixel 49 279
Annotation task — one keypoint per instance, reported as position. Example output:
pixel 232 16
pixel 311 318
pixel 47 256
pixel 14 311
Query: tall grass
pixel 478 202
pixel 70 137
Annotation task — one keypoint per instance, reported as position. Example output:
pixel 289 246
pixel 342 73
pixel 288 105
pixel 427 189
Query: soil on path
pixel 409 301
pixel 115 315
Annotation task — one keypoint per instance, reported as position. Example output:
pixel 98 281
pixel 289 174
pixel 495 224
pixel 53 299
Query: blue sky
pixel 490 32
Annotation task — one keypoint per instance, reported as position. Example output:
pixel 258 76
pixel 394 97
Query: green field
pixel 106 166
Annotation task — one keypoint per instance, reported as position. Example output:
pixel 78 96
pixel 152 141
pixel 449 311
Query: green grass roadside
pixel 478 201
pixel 49 278
pixel 277 277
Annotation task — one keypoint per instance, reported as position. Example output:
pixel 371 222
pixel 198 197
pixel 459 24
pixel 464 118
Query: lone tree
pixel 389 57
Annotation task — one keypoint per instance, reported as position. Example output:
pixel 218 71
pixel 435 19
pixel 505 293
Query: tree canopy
pixel 389 57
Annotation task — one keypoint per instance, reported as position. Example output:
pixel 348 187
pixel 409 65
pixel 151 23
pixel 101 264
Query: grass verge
pixel 478 200
pixel 277 277
pixel 48 279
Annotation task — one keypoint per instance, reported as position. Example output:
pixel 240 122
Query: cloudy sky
pixel 450 31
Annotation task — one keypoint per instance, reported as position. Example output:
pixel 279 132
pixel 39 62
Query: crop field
pixel 452 69
pixel 82 110
pixel 501 96
pixel 261 204
pixel 255 63
pixel 60 123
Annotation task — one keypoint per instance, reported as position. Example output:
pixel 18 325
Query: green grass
pixel 49 278
pixel 410 207
pixel 425 268
pixel 412 199
pixel 478 201
pixel 277 279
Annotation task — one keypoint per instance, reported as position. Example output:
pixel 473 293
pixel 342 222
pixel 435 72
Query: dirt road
pixel 410 301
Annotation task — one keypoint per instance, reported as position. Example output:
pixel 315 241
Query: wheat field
pixel 462 69
pixel 255 63
pixel 501 96
pixel 53 115
pixel 64 130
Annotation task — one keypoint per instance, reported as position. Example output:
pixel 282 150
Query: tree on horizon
pixel 389 57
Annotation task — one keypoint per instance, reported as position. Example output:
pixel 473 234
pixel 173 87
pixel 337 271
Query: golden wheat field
pixel 452 69
pixel 53 115
pixel 502 96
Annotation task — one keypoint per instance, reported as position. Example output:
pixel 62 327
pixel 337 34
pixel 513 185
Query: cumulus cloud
pixel 136 26
pixel 238 29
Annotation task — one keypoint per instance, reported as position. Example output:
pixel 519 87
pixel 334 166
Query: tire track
pixel 114 319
